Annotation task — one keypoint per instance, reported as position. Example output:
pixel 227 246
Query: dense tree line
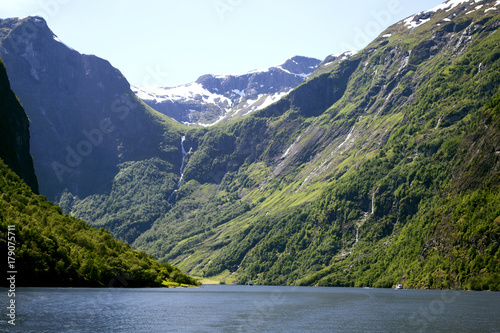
pixel 54 249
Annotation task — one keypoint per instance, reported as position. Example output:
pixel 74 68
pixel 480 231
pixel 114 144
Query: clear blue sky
pixel 172 42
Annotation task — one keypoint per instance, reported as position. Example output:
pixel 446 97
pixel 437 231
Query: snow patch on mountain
pixel 275 67
pixel 418 19
pixel 472 11
pixel 494 6
pixel 238 92
pixel 411 23
pixel 59 41
pixel 449 5
pixel 215 98
pixel 337 57
pixel 262 101
pixel 192 91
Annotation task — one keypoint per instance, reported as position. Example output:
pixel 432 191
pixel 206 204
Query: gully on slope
pixel 181 170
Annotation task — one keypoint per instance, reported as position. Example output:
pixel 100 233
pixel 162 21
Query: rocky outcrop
pixel 85 119
pixel 14 134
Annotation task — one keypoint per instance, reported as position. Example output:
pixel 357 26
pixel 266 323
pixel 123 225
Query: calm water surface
pixel 251 309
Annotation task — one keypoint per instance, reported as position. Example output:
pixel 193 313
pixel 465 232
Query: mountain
pixel 14 134
pixel 382 167
pixel 85 119
pixel 379 170
pixel 53 249
pixel 215 98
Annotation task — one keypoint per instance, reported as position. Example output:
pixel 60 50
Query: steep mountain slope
pixel 381 167
pixel 215 98
pixel 380 170
pixel 53 249
pixel 90 133
pixel 85 119
pixel 14 133
pixel 47 248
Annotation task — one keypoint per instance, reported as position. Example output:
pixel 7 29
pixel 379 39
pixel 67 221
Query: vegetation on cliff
pixel 54 249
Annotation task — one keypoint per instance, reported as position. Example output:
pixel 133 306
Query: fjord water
pixel 252 309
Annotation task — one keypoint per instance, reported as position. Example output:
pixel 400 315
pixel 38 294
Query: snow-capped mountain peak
pixel 469 6
pixel 213 98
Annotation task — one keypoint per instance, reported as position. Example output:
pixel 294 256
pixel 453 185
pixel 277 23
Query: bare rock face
pixel 85 119
pixel 14 134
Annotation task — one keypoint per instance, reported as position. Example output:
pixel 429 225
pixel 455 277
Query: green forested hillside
pixel 53 249
pixel 435 223
pixel 383 170
pixel 380 168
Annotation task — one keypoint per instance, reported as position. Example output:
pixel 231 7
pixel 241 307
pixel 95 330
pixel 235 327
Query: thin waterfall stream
pixel 373 203
pixel 183 138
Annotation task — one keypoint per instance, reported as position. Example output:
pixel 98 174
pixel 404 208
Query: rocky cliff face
pixel 215 98
pixel 85 119
pixel 14 134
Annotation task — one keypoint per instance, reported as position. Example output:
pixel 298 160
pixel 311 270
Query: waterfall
pixel 181 170
pixel 373 203
pixel 348 137
pixel 183 160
